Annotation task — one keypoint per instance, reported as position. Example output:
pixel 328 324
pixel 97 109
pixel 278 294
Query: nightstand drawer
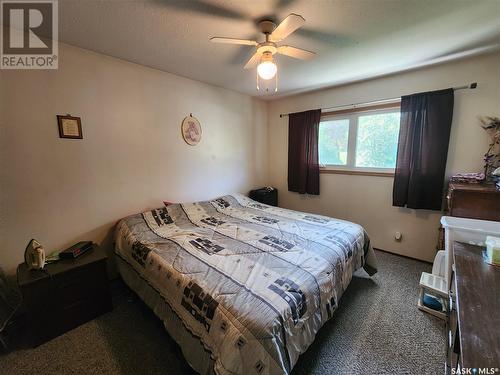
pixel 83 310
pixel 81 284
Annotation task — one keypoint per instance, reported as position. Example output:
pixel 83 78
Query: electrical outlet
pixel 398 236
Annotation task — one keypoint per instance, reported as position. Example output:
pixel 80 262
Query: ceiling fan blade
pixel 286 27
pixel 284 3
pixel 203 7
pixel 254 60
pixel 337 39
pixel 295 52
pixel 233 41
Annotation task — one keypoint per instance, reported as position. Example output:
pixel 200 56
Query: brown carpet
pixel 376 330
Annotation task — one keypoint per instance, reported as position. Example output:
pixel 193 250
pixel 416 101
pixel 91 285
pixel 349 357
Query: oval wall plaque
pixel 191 130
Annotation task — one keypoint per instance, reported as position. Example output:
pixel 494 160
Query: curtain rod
pixel 354 105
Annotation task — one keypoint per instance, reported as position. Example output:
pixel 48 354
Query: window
pixel 360 141
pixel 333 142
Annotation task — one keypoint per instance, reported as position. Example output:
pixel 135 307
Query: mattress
pixel 242 285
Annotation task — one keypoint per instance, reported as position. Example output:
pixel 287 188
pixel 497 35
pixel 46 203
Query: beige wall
pixel 132 156
pixel 368 200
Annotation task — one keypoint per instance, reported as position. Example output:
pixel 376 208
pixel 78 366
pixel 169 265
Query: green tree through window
pixel 374 138
pixel 333 141
pixel 377 140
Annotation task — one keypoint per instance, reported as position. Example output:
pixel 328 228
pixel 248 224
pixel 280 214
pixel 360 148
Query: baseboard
pixel 400 255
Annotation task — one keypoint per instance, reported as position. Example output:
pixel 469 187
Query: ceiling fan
pixel 263 56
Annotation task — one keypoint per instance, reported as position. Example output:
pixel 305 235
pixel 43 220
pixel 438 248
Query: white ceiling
pixel 354 40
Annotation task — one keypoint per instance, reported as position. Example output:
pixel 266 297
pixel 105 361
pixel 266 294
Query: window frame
pixel 352 140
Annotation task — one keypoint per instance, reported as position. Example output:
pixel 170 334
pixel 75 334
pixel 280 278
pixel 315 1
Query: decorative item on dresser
pixel 64 294
pixel 474 201
pixel 267 195
pixel 34 255
pixel 492 157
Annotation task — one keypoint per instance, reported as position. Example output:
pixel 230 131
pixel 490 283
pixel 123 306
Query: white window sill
pixel 377 172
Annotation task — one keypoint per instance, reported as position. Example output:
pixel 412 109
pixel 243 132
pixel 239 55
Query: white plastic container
pixel 470 231
pixel 438 282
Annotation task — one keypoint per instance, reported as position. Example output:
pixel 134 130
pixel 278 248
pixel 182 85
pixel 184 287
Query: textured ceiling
pixel 354 40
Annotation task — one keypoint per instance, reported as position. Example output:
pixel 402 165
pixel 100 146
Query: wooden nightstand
pixel 64 294
pixel 266 195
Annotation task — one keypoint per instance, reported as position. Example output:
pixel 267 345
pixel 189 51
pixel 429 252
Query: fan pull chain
pixel 257 79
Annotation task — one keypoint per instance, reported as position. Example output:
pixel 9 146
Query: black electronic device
pixel 76 250
pixel 267 195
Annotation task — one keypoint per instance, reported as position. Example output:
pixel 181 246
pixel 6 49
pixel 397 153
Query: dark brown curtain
pixel 422 150
pixel 303 163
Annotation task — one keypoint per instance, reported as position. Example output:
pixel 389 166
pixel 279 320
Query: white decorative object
pixel 191 130
pixel 34 255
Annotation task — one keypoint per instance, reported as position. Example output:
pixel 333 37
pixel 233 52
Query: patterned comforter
pixel 253 283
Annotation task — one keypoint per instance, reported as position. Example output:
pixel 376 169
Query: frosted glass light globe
pixel 267 69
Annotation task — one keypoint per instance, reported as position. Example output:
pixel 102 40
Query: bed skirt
pixel 193 350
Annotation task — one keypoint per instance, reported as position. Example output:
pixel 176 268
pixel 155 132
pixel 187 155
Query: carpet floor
pixel 376 330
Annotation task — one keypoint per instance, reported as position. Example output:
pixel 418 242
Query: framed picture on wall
pixel 69 127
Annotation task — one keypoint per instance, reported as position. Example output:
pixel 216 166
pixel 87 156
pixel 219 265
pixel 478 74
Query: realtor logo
pixel 29 34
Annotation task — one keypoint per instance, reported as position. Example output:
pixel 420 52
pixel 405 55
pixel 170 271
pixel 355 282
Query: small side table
pixel 64 294
pixel 266 195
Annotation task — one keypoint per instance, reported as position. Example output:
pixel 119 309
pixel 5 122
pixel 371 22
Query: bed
pixel 241 286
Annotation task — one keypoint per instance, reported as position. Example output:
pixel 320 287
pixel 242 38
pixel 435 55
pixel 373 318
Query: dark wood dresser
pixel 474 201
pixel 64 294
pixel 474 324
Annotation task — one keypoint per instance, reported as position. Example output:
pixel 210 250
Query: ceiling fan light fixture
pixel 264 51
pixel 267 69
